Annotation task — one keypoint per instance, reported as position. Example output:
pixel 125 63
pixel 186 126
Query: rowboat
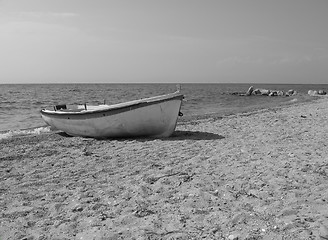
pixel 154 117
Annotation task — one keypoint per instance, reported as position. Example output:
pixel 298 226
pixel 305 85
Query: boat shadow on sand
pixel 176 136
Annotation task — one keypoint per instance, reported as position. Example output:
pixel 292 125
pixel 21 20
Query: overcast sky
pixel 220 41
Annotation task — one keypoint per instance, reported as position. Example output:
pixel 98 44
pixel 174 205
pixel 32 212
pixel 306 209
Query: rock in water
pixel 256 92
pixel 265 92
pixel 280 93
pixel 311 92
pixel 322 92
pixel 249 91
pixel 291 92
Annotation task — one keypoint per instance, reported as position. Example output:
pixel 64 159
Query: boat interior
pixel 77 108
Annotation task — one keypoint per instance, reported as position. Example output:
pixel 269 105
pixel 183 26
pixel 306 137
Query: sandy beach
pixel 259 175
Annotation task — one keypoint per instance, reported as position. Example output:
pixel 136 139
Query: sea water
pixel 20 104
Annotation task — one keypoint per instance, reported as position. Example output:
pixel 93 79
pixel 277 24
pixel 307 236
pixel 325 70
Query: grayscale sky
pixel 219 41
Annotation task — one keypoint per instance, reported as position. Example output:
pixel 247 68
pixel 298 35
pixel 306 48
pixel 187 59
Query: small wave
pixel 294 100
pixel 24 132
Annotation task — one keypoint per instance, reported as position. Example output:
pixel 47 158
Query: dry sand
pixel 261 175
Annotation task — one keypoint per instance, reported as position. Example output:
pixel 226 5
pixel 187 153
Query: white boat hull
pixel 155 117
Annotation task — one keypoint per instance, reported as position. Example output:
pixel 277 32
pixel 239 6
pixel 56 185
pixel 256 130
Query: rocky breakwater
pixel 267 92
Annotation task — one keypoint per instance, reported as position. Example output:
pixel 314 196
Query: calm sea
pixel 20 104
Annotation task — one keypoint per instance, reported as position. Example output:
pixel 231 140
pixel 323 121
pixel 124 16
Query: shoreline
pixel 258 175
pixel 193 118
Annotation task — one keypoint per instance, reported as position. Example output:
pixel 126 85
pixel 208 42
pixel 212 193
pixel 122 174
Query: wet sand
pixel 260 175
